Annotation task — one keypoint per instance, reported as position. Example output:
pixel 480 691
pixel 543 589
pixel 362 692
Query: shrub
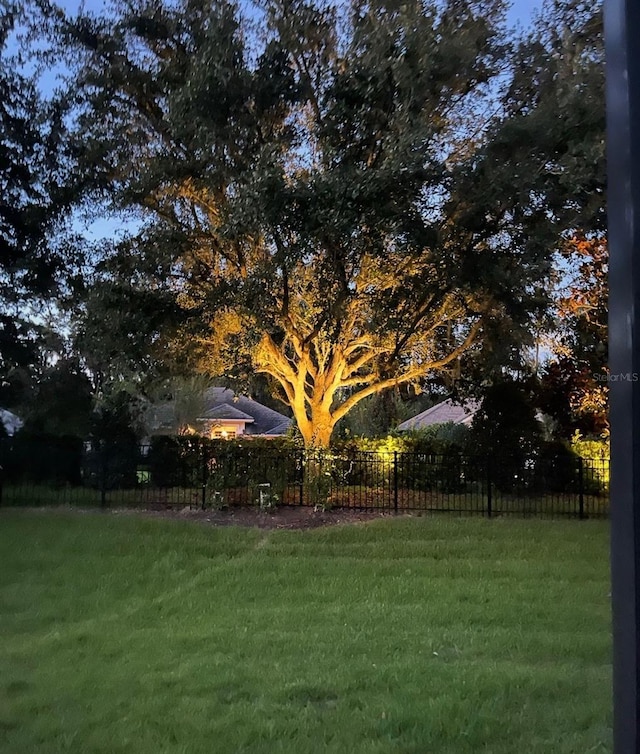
pixel 506 431
pixel 175 462
pixel 39 458
pixel 557 468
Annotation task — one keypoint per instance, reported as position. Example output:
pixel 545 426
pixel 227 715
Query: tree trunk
pixel 317 430
pixel 322 431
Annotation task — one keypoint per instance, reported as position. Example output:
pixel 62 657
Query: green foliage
pixel 380 414
pixel 175 462
pixel 436 439
pixel 574 386
pixel 556 108
pixel 317 201
pixel 321 473
pixel 591 447
pixel 544 160
pixel 61 402
pixel 35 458
pixel 506 431
pixel 37 190
pixel 597 454
pixel 558 467
pixel 113 450
pixel 222 465
pixel 434 459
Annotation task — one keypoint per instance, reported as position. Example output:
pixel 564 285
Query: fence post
pixel 204 476
pixel 103 474
pixel 301 461
pixel 581 486
pixel 489 490
pixel 395 481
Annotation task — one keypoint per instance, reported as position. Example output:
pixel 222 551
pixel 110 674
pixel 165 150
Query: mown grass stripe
pixel 408 635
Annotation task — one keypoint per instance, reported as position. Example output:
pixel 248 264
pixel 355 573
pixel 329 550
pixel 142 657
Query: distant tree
pixel 34 195
pixel 554 120
pixel 574 382
pixel 186 397
pixel 315 197
pixel 117 421
pixel 547 159
pixel 61 402
pixel 381 413
pixel 506 430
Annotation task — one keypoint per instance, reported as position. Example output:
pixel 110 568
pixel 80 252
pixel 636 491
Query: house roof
pixel 266 421
pixel 222 404
pixel 279 429
pixel 11 422
pixel 225 411
pixel 442 413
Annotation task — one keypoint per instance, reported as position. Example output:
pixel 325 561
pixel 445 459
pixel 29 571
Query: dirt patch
pixel 285 517
pixel 281 518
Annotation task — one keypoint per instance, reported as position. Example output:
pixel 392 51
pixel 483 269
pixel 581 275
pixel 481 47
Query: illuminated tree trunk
pixel 323 382
pixel 322 425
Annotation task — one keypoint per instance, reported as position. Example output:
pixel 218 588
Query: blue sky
pixel 519 12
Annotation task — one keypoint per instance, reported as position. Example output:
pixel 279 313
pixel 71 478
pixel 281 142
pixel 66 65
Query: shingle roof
pixel 280 429
pixel 265 420
pixel 442 413
pixel 221 403
pixel 225 411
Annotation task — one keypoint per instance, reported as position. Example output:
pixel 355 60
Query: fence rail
pixel 197 473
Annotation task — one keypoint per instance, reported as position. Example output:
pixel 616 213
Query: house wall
pixel 224 428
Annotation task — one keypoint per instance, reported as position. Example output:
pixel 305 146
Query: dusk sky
pixel 520 11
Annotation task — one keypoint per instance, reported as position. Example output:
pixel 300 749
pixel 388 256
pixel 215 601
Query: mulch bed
pixel 285 517
pixel 282 518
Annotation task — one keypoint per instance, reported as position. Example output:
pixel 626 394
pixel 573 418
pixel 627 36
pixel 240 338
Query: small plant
pixel 215 499
pixel 319 481
pixel 215 487
pixel 267 500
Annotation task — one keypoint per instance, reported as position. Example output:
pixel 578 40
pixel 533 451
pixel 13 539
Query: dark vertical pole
pixel 103 474
pixel 204 477
pixel 301 463
pixel 395 481
pixel 489 490
pixel 581 486
pixel 622 21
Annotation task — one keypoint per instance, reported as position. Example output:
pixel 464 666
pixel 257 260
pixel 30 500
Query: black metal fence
pixel 192 472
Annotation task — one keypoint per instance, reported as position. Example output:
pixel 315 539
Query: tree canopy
pixel 557 107
pixel 326 195
pixel 546 154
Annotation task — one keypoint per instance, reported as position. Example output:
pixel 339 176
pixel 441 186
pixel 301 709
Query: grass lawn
pixel 415 636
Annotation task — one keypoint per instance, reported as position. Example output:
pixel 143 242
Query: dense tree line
pixel 35 192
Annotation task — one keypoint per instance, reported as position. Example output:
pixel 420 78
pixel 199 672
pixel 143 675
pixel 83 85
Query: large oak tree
pixel 314 185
